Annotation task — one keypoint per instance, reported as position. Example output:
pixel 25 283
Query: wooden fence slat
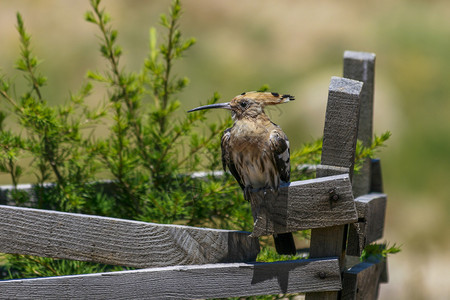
pixel 371 210
pixel 361 66
pixel 118 242
pixel 369 229
pixel 362 281
pixel 185 282
pixel 341 123
pixel 338 150
pixel 305 204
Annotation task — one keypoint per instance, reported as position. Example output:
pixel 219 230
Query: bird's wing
pixel 279 145
pixel 227 160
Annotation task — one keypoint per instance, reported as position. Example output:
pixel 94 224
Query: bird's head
pixel 249 104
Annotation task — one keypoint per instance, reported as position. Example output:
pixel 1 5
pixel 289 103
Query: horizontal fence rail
pixel 312 203
pixel 185 282
pixel 306 204
pixel 118 242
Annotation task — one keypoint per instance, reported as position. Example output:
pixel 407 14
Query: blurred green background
pixel 295 47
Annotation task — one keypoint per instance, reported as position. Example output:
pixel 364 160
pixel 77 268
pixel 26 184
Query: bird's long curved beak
pixel 210 106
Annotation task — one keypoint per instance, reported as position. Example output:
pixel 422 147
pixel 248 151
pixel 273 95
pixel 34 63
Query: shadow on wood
pixel 281 272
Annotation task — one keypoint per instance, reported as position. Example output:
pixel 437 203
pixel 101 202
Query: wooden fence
pixel 345 213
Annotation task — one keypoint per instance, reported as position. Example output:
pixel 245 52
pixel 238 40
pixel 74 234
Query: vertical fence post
pixel 362 280
pixel 339 143
pixel 361 66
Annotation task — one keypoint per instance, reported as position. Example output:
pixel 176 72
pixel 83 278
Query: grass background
pixel 294 47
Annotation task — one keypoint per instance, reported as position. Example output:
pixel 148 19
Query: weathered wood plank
pixel 327 242
pixel 338 150
pixel 357 235
pixel 371 206
pixel 185 282
pixel 339 143
pixel 361 66
pixel 305 204
pixel 341 123
pixel 371 214
pixel 362 281
pixel 118 242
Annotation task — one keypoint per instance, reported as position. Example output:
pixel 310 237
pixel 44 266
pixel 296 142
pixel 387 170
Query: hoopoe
pixel 256 150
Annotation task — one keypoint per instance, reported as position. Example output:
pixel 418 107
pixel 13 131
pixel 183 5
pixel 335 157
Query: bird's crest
pixel 263 98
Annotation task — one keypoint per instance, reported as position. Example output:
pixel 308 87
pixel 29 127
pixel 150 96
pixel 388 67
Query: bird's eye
pixel 243 104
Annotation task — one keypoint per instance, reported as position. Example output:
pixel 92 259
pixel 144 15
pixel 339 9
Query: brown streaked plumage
pixel 256 150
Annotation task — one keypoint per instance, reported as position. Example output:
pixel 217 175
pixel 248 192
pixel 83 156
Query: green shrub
pixel 148 154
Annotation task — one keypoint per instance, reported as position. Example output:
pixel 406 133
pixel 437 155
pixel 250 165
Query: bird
pixel 255 150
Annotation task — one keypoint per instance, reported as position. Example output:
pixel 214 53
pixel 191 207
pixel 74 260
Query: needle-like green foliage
pixel 376 252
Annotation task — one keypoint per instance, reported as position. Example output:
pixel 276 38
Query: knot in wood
pixel 322 275
pixel 333 196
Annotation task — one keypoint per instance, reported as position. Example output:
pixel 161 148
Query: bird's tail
pixel 284 243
